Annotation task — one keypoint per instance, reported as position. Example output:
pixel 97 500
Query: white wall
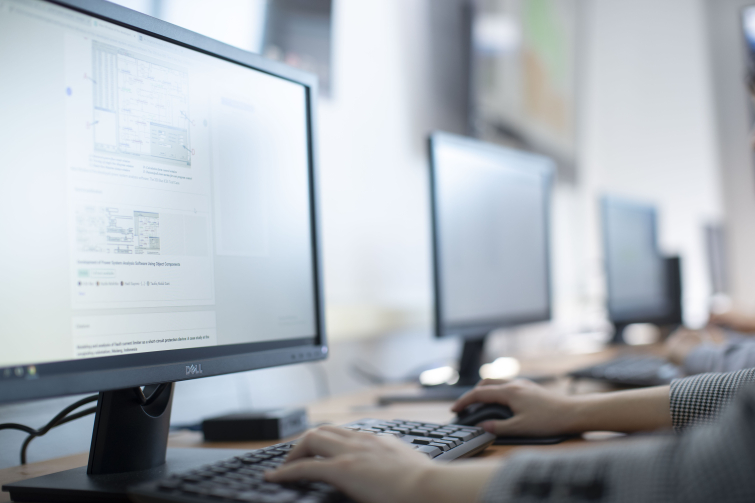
pixel 735 155
pixel 648 128
pixel 375 205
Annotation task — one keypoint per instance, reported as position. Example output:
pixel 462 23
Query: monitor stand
pixel 129 447
pixel 469 375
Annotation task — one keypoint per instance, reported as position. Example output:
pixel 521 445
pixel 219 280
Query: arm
pixel 540 412
pixel 712 463
pixel 735 320
pixel 700 399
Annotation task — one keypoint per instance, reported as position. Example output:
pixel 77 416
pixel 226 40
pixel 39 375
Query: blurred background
pixel 639 99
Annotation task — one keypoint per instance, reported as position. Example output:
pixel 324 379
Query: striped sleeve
pixel 698 399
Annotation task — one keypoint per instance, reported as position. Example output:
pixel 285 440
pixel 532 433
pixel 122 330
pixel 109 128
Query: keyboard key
pixel 430 450
pixel 221 492
pixel 248 496
pixel 455 440
pixel 442 447
pixel 463 435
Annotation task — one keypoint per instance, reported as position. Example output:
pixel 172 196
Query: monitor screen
pixel 490 209
pixel 156 200
pixel 635 269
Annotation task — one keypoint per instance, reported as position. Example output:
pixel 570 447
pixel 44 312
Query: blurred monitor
pixel 643 286
pixel 715 243
pixel 491 227
pixel 299 33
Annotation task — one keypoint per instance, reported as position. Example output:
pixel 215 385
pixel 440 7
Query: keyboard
pixel 634 371
pixel 241 478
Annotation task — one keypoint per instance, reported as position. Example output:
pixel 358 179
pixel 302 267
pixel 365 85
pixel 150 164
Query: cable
pixel 61 418
pixel 66 419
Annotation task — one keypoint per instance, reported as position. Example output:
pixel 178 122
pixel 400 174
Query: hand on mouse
pixel 537 411
pixel 370 468
pixel 541 412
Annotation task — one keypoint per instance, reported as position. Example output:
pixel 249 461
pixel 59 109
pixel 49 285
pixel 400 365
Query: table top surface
pixel 363 404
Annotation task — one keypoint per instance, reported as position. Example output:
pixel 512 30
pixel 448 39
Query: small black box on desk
pixel 255 425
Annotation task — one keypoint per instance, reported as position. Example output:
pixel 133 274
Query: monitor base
pixel 76 486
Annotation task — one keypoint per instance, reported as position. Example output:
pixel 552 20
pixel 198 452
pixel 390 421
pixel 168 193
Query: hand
pixel 537 411
pixel 370 468
pixel 681 343
pixel 734 320
pixel 366 467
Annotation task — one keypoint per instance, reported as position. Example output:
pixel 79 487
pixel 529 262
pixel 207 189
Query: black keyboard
pixel 241 478
pixel 636 371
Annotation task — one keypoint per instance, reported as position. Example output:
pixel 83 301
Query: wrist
pixel 582 411
pixel 422 485
pixel 464 481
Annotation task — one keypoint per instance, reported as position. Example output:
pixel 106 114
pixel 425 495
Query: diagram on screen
pixel 141 105
pixel 108 229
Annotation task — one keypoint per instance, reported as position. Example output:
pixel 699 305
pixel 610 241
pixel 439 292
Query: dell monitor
pixel 158 202
pixel 643 286
pixel 490 241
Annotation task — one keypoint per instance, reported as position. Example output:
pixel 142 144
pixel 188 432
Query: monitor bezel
pixel 93 375
pixel 478 329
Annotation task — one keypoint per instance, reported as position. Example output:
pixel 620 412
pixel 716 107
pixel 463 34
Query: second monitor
pixel 491 242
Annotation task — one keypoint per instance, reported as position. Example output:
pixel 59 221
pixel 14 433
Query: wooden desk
pixel 347 408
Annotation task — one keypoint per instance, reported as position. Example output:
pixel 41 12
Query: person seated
pixel 710 457
pixel 714 348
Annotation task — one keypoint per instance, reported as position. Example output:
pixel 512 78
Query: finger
pixel 319 442
pixel 486 394
pixel 307 469
pixel 500 428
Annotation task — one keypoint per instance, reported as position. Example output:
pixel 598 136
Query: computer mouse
pixel 479 412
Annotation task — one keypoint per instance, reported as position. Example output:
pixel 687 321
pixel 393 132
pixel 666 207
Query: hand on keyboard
pixel 537 411
pixel 370 460
pixel 367 467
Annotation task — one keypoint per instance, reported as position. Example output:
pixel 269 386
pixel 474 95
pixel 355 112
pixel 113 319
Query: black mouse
pixel 479 412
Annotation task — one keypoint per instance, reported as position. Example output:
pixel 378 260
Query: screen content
pixel 492 233
pixel 635 268
pixel 151 197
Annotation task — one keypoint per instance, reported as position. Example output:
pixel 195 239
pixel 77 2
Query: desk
pixel 347 408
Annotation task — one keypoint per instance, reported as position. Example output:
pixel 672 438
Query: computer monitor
pixel 643 286
pixel 158 197
pixel 491 241
pixel 715 244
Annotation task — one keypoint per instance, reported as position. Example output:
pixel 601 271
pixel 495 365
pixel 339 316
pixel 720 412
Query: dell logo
pixel 192 370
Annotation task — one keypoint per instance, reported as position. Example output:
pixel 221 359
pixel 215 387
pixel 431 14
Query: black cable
pixel 156 391
pixel 59 419
pixel 65 420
